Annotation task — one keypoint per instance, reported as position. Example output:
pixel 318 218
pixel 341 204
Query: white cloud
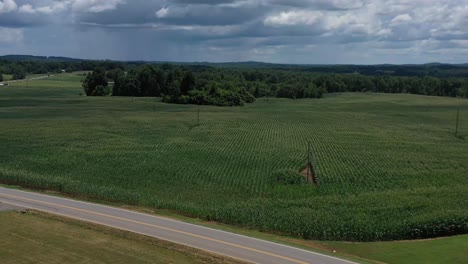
pixel 381 19
pixel 319 4
pixel 54 8
pixel 27 9
pixel 401 19
pixel 293 18
pixel 7 6
pixel 10 35
pixel 330 23
pixel 163 12
pixel 94 6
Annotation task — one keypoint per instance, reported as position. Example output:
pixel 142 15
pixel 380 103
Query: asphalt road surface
pixel 216 241
pixel 8 207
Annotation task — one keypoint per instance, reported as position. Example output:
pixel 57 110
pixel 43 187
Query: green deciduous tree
pixel 93 80
pixel 188 83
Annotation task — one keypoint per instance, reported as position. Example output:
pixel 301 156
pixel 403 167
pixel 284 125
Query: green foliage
pixel 1 77
pixel 18 72
pixel 187 84
pixel 218 97
pixel 289 177
pixel 114 74
pixel 102 90
pixel 126 86
pixel 464 90
pixel 249 80
pixel 377 182
pixel 151 80
pixel 95 83
pixel 177 87
pixel 205 85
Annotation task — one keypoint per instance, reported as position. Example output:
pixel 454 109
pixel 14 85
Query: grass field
pixel 7 77
pixel 438 251
pixel 389 166
pixel 40 238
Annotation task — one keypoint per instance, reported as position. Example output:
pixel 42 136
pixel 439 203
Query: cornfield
pixel 390 166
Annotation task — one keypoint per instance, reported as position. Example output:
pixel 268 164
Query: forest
pixel 234 84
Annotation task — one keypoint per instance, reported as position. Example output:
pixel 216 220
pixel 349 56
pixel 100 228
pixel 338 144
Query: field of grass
pixel 438 251
pixel 389 166
pixel 41 238
pixel 7 77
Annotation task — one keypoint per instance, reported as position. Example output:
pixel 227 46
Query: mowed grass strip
pixel 389 165
pixel 436 251
pixel 42 238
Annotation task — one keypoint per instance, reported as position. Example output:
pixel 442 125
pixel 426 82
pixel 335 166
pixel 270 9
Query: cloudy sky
pixel 287 31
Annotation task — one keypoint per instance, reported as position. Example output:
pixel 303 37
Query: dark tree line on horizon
pixel 231 86
pixel 228 85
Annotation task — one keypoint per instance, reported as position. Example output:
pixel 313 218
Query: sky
pixel 279 31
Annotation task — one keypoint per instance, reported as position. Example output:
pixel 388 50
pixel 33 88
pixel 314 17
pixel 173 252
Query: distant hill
pixel 435 69
pixel 242 64
pixel 36 58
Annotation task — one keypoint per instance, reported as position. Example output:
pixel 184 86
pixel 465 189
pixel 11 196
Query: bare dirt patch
pixel 308 173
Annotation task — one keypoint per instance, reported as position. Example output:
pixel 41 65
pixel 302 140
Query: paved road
pixel 34 78
pixel 220 242
pixel 9 207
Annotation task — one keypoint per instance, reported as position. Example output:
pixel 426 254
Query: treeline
pixel 231 86
pixel 438 70
pixel 175 84
pixel 425 70
pixel 385 84
pixel 19 69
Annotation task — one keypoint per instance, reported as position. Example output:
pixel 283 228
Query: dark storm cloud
pixel 211 2
pixel 15 21
pixel 130 12
pixel 156 12
pixel 206 15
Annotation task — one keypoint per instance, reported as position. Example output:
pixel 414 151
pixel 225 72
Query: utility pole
pixel 198 116
pixel 458 118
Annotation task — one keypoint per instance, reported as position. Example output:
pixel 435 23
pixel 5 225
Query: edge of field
pixel 436 250
pixel 113 233
pixel 311 245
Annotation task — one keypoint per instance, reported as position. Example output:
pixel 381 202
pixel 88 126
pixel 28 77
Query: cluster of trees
pixel 96 84
pixel 16 71
pixel 178 85
pixel 236 86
